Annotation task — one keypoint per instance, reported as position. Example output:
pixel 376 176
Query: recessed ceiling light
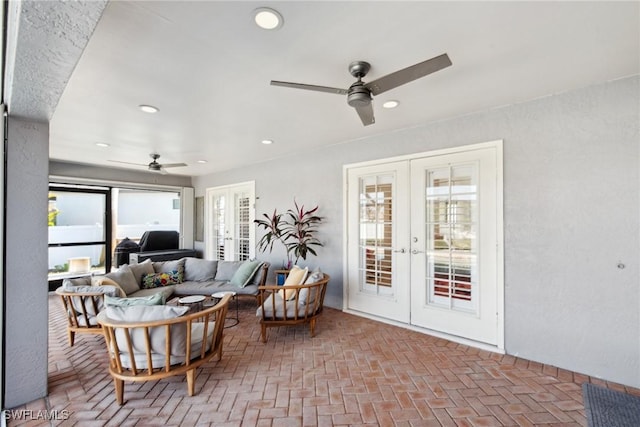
pixel 149 108
pixel 267 141
pixel 202 161
pixel 390 104
pixel 267 18
pixel 102 144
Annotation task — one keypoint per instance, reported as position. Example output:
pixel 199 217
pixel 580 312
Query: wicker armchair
pixel 291 305
pixel 156 349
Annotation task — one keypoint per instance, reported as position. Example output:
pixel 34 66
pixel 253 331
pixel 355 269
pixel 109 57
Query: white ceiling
pixel 207 67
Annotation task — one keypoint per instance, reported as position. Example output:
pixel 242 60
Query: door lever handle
pixel 415 251
pixel 400 251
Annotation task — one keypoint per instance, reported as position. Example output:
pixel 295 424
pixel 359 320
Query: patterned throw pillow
pixel 160 279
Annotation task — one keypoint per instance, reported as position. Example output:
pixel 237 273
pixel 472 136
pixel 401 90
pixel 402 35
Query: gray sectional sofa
pixel 186 276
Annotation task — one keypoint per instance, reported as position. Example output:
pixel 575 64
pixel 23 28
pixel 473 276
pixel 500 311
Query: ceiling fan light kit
pixel 360 94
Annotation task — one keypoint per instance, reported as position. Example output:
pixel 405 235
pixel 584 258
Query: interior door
pixel 454 243
pixel 378 268
pixel 229 230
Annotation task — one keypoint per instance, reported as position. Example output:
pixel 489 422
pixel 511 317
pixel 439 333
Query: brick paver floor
pixel 354 372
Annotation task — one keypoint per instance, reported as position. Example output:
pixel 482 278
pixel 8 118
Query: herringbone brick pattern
pixel 354 372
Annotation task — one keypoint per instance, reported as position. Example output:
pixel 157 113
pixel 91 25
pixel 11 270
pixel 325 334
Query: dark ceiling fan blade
pixel 366 114
pixel 408 74
pixel 326 89
pixel 173 165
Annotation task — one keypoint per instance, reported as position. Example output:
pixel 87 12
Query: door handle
pixel 415 251
pixel 401 251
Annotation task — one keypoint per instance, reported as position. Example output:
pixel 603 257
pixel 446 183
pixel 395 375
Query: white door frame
pixel 497 145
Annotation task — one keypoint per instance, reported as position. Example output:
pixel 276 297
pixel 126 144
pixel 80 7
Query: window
pixel 78 231
pixel 86 223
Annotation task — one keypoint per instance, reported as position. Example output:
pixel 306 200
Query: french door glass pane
pixel 376 233
pixel 242 225
pixel 451 224
pixel 219 226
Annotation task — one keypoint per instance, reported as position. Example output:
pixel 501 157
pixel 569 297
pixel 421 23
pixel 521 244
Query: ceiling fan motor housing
pixel 155 166
pixel 358 96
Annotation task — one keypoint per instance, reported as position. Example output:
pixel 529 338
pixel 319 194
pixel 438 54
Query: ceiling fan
pixel 359 94
pixel 154 166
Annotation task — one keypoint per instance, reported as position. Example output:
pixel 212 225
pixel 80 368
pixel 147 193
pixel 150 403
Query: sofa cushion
pixel 165 291
pixel 226 269
pixel 243 275
pixel 156 280
pixel 169 266
pixel 125 278
pixel 155 299
pixel 199 270
pixel 140 269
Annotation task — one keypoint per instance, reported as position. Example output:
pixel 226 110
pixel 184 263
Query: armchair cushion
pixel 79 301
pixel 105 281
pixel 149 313
pixel 155 299
pixel 279 313
pixel 157 335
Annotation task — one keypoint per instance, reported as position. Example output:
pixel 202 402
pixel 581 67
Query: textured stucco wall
pixel 571 214
pixel 26 306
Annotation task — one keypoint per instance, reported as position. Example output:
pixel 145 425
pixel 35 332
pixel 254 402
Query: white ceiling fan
pixel 154 166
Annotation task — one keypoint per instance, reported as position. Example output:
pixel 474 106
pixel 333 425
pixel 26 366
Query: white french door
pixel 439 246
pixel 377 278
pixel 229 229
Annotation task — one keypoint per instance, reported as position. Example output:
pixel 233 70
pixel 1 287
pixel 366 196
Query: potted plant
pixel 295 230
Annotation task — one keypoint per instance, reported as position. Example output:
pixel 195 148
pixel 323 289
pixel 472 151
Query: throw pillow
pixel 315 276
pixel 169 266
pixel 105 281
pixel 245 273
pixel 140 269
pixel 156 299
pixel 199 270
pixel 296 277
pixel 125 278
pixel 160 279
